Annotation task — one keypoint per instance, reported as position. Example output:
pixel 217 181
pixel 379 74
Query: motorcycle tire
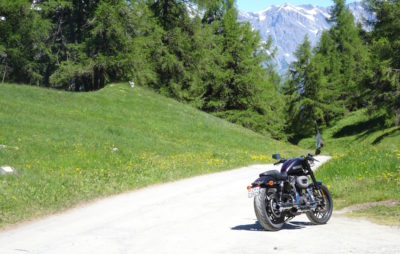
pixel 263 212
pixel 319 216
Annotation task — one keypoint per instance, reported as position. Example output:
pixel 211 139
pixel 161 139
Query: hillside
pixel 358 129
pixel 365 165
pixel 72 147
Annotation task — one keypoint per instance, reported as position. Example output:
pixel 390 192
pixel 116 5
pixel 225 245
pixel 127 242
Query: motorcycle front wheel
pixel 323 212
pixel 265 207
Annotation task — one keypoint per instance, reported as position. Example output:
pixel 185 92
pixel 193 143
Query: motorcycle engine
pixel 297 195
pixel 302 182
pixel 306 199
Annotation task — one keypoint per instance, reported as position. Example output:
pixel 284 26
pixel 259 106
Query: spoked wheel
pixel 323 212
pixel 267 212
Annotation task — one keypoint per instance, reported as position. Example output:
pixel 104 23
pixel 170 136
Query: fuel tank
pixel 293 166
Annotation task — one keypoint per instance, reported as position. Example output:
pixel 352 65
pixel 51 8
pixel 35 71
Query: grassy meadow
pixel 73 147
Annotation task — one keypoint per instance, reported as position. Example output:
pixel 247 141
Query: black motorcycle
pixel 280 196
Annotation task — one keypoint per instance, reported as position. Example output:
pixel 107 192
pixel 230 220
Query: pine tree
pixel 305 108
pixel 384 86
pixel 23 34
pixel 327 58
pixel 242 90
pixel 347 58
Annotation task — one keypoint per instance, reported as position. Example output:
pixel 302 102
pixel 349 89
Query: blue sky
pixel 259 5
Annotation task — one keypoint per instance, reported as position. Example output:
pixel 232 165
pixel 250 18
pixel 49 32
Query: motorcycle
pixel 280 196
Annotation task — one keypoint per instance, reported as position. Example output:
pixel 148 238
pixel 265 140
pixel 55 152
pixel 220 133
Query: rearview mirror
pixel 276 156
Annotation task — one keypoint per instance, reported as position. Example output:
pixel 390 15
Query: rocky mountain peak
pixel 288 24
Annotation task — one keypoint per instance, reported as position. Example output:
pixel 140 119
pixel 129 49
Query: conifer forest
pixel 197 52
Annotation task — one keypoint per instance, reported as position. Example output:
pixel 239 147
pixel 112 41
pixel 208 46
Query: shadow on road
pixel 287 226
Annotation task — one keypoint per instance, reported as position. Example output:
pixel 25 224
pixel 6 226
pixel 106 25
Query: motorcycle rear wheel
pixel 265 211
pixel 322 214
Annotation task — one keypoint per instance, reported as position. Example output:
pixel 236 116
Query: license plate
pixel 254 192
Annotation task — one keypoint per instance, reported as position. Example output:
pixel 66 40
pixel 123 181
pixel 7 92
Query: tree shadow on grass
pixel 369 126
pixel 287 226
pixel 381 137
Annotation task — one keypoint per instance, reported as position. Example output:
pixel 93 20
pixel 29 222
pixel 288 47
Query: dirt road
pixel 206 214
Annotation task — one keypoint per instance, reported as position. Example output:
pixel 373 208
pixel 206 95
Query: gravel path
pixel 206 214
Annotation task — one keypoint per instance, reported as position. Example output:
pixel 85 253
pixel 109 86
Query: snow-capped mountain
pixel 288 24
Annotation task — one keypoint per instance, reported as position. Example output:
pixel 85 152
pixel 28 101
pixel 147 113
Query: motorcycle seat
pixel 275 174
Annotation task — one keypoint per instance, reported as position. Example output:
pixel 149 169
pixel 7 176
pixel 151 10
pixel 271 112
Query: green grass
pixel 359 128
pixel 61 146
pixel 366 161
pixel 362 175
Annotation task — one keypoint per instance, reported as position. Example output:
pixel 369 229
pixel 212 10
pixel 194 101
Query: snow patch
pixel 310 17
pixel 265 10
pixel 288 7
pixel 262 16
pixel 301 24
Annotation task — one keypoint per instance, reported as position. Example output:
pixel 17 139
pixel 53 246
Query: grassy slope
pixel 365 165
pixel 61 145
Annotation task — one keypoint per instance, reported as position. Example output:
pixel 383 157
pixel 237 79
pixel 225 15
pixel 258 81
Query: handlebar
pixel 309 157
pixel 280 161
